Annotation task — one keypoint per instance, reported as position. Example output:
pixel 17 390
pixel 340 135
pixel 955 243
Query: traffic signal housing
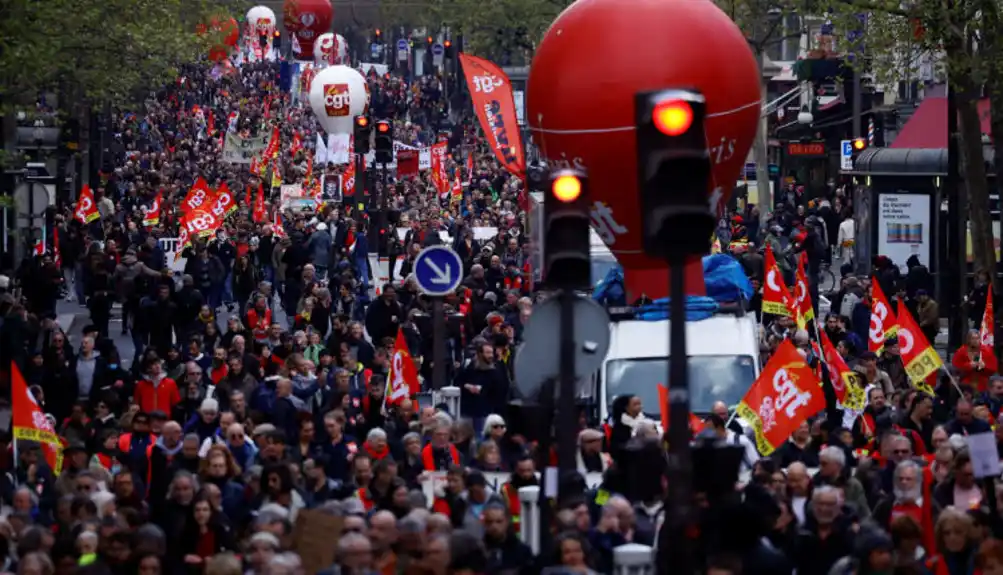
pixel 673 170
pixel 384 142
pixel 566 243
pixel 363 131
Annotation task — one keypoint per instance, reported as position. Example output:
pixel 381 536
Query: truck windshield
pixel 712 378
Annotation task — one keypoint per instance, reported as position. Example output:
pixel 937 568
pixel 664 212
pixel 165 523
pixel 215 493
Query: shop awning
pixel 927 128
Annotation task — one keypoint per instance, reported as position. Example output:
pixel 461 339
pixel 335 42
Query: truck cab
pixel 723 352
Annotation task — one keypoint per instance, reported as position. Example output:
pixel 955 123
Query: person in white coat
pixel 845 239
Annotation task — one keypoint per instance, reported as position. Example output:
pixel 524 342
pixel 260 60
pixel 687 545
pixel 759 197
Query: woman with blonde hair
pixel 219 468
pixel 955 553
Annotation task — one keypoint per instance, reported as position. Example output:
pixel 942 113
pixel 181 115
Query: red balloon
pixel 229 32
pixel 307 19
pixel 591 62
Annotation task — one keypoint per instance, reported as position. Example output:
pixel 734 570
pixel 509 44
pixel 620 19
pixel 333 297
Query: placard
pixel 315 539
pixel 238 150
pixel 904 228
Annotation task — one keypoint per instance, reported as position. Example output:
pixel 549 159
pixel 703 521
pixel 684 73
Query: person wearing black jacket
pixel 505 552
pixel 384 316
pixel 285 415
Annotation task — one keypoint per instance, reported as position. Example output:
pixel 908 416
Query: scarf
pixel 376 454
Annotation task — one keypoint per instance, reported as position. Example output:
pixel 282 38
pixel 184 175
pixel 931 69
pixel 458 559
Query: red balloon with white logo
pixel 307 20
pixel 596 55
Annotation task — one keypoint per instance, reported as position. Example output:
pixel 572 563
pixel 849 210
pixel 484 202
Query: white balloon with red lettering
pixel 337 95
pixel 261 22
pixel 323 49
pixel 340 50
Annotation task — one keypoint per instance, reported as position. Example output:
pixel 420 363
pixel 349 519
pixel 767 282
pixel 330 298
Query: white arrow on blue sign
pixel 402 44
pixel 438 270
pixel 437 49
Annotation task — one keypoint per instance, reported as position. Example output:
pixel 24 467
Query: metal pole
pixel 543 462
pixel 438 344
pixel 567 423
pixel 680 464
pixel 857 105
pixel 956 218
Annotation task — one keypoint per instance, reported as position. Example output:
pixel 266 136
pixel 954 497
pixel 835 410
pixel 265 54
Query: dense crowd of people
pixel 256 395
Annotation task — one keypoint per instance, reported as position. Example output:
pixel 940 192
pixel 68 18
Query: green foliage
pixel 499 29
pixel 103 50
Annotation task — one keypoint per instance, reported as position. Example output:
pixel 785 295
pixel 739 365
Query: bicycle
pixel 826 278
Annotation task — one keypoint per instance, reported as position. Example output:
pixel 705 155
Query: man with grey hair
pixel 906 497
pixel 832 471
pixel 354 555
pixel 823 542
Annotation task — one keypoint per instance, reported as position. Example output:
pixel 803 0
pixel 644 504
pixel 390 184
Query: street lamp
pixel 804 116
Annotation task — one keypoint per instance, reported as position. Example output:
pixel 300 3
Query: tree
pixel 99 50
pixel 964 36
pixel 504 31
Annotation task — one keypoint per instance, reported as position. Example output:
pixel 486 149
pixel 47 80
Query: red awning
pixel 927 128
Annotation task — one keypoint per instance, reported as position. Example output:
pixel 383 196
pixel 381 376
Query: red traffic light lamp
pixel 361 121
pixel 567 188
pixel 672 117
pixel 430 39
pixel 276 33
pixel 859 144
pixel 383 127
pixel 378 32
pixel 447 44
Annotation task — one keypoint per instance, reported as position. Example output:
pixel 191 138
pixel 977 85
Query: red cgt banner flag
pixel 491 93
pixel 785 394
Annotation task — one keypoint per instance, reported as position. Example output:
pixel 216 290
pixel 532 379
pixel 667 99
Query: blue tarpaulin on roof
pixel 724 279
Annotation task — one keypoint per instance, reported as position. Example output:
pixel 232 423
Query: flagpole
pixel 954 381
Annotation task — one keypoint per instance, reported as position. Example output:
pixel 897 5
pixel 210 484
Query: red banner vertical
pixel 491 93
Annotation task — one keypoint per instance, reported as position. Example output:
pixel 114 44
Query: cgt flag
pixel 844 381
pixel 29 423
pixel 491 93
pixel 402 382
pixel 883 324
pixel 987 331
pixel 918 356
pixel 785 394
pixel 776 299
pixel 802 297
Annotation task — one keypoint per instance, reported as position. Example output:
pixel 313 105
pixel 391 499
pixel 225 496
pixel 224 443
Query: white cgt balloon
pixel 337 95
pixel 330 49
pixel 261 22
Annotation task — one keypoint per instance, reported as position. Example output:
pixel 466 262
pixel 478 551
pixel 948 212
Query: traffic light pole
pixel 567 423
pixel 680 513
pixel 438 344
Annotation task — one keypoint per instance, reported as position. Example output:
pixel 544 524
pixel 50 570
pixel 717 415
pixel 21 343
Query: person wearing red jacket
pixel 975 367
pixel 156 392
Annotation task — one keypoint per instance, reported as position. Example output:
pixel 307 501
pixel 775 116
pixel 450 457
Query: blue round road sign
pixel 402 44
pixel 438 270
pixel 437 49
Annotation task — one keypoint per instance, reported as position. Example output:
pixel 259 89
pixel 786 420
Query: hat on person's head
pixel 920 292
pixel 892 340
pixel 158 415
pixel 263 429
pixel 75 445
pixel 868 355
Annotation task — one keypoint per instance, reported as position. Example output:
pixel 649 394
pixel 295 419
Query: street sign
pixel 438 270
pixel 402 50
pixel 538 358
pixel 846 155
pixel 437 52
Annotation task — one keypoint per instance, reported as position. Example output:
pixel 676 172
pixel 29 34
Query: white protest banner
pixel 337 149
pixel 320 151
pixel 171 246
pixel 238 150
pixel 424 157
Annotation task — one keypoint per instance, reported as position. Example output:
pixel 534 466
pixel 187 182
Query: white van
pixel 723 355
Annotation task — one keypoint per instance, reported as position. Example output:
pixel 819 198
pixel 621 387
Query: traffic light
pixel 363 129
pixel 430 40
pixel 673 170
pixel 384 142
pixel 859 145
pixel 566 231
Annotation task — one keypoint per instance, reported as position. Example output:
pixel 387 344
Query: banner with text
pixel 238 150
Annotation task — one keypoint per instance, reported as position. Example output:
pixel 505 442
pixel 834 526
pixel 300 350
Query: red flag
pixel 883 323
pixel 57 256
pixel 696 424
pixel 776 299
pixel 491 93
pixel 402 382
pixel 918 356
pixel 296 146
pixel 258 214
pixel 223 205
pixel 86 210
pixel 39 249
pixel 29 423
pixel 987 332
pixel 785 394
pixel 277 228
pixel 152 215
pixel 437 152
pixel 198 196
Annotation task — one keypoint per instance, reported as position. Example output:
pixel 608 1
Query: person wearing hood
pixel 206 421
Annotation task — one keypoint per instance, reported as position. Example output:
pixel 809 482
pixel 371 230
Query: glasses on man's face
pixel 900 451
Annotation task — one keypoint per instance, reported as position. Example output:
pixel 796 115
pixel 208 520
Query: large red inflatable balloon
pixel 228 32
pixel 591 62
pixel 307 20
